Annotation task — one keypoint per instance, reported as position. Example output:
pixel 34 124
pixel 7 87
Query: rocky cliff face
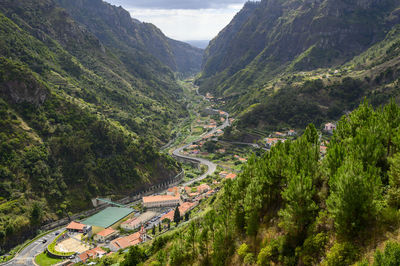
pixel 115 27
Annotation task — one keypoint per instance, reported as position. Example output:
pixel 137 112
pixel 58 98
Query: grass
pixel 44 260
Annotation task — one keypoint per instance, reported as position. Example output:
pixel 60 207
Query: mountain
pixel 200 44
pixel 115 28
pixel 77 119
pixel 264 61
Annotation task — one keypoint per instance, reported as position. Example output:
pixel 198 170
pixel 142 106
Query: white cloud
pixel 188 24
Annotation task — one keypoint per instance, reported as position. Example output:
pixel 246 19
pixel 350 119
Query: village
pixel 117 227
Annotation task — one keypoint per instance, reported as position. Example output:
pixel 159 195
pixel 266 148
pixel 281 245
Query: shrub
pixel 390 257
pixel 341 254
pixel 242 250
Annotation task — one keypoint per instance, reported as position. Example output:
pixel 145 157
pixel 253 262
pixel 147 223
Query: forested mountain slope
pixel 261 63
pixel 292 206
pixel 115 27
pixel 75 121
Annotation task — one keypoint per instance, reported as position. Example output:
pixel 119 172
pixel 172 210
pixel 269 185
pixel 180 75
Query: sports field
pixel 108 216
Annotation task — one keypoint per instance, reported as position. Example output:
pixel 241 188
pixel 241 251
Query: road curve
pixel 27 255
pixel 210 165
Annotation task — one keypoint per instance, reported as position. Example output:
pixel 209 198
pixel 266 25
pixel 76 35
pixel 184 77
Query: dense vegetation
pixel 76 121
pixel 289 63
pixel 291 206
pixel 129 37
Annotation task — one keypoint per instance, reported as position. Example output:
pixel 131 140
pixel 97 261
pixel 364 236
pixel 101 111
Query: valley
pixel 278 144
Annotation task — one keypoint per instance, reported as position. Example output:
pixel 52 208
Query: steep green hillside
pixel 75 121
pixel 127 37
pixel 293 207
pixel 262 62
pixel 143 97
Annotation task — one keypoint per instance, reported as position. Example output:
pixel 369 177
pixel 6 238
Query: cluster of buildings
pixel 128 241
pixel 278 137
pixel 183 209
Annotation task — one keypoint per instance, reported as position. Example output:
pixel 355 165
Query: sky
pixel 184 19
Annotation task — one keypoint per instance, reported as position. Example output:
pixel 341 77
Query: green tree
pixel 135 256
pixel 353 201
pixel 300 209
pixel 154 230
pixel 177 215
pixel 36 215
pixel 191 236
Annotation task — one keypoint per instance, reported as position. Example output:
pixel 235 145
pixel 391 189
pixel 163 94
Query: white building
pixel 131 224
pixel 329 127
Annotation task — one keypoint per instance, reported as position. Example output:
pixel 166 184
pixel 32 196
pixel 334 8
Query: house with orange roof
pixel 243 160
pixel 291 132
pixel 203 188
pixel 231 176
pixel 183 209
pixel 131 224
pixel 172 191
pixel 269 142
pixel 161 201
pixel 106 234
pixel 210 193
pixel 280 134
pixel 92 254
pixel 188 190
pixel 75 227
pixel 128 241
pixel 169 216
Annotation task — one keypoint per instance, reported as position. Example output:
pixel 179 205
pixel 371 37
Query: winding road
pixel 210 165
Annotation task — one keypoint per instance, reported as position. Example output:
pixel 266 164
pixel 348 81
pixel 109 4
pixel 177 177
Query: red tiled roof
pixel 160 198
pixel 169 215
pixel 127 241
pixel 106 232
pixel 92 253
pixel 75 226
pixel 231 176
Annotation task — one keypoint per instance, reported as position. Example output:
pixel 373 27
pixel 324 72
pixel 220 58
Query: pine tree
pixel 177 215
pixel 353 198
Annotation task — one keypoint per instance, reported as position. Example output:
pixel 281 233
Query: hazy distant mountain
pixel 200 44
